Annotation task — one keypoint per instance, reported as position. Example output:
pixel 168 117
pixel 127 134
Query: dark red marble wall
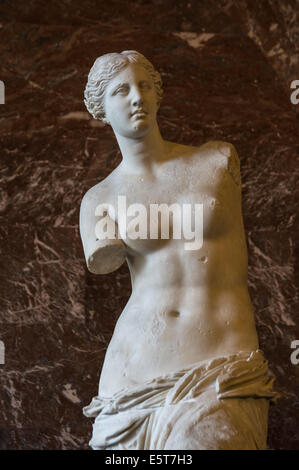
pixel 227 68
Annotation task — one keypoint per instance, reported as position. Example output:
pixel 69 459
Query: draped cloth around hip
pixel 220 403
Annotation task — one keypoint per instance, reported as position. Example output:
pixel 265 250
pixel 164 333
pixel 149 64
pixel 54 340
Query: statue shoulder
pixel 93 196
pixel 100 192
pixel 89 196
pixel 225 148
pixel 229 157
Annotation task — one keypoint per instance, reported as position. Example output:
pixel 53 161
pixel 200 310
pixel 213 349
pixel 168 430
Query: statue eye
pixel 122 90
pixel 145 85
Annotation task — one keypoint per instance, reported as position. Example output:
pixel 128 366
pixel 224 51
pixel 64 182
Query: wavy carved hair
pixel 107 67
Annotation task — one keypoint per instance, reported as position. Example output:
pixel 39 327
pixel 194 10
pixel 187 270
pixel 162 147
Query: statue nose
pixel 137 101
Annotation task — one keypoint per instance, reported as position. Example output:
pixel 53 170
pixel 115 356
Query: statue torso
pixel 186 305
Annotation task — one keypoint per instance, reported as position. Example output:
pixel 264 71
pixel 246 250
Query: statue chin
pixel 141 127
pixel 138 128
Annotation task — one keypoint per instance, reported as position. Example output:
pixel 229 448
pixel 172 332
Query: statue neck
pixel 140 154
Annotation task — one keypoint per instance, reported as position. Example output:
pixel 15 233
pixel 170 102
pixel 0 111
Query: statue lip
pixel 139 111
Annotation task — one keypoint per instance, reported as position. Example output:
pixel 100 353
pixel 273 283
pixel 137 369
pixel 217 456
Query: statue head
pixel 104 69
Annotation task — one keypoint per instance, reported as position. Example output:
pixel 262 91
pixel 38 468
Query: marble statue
pixel 183 369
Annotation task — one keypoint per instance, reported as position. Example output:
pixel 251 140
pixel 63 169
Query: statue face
pixel 131 102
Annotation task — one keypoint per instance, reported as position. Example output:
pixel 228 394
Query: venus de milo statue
pixel 183 369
